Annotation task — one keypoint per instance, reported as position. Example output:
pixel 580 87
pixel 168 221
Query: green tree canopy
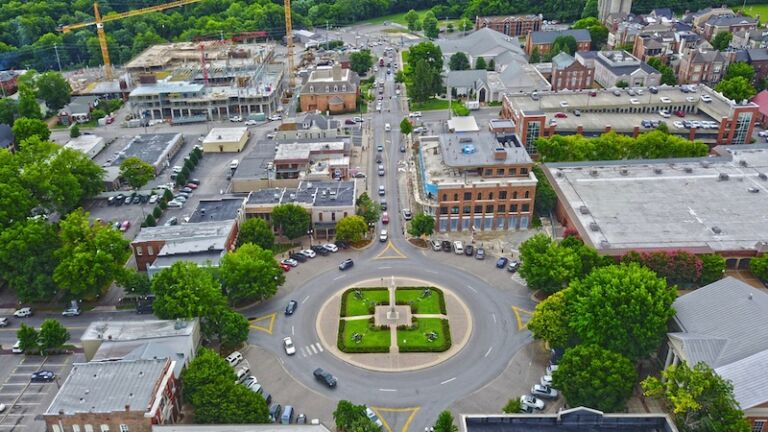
pixel 744 70
pixel 548 266
pixel 597 31
pixel 28 338
pixel 230 328
pixel 480 63
pixel 187 291
pixel 566 44
pixel 27 259
pixel 759 267
pixel 207 368
pixel 546 198
pixel 292 220
pixel 698 398
pixel 229 403
pixel 74 131
pixel 425 61
pixel 445 422
pixel 136 172
pixel 24 128
pixel 736 88
pixel 667 74
pixel 422 225
pixel 53 89
pixel 347 414
pixel 590 9
pixel 9 109
pixel 430 25
pixel 369 210
pixel 513 406
pixel 28 106
pixel 412 18
pixel 256 231
pixel 623 308
pixel 550 321
pixel 535 56
pixel 595 377
pixel 712 268
pixel 52 335
pixel 361 61
pixel 722 40
pixel 134 282
pixel 405 126
pixel 351 228
pixel 250 273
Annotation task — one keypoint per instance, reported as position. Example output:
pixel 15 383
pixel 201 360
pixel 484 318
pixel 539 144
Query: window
pixel 513 208
pixel 333 215
pixel 139 251
pixel 75 428
pixel 344 87
pixel 455 210
pixel 503 195
pixel 88 428
pixel 513 171
pixel 443 210
pixel 488 172
pixel 335 88
pixel 467 196
pixel 150 250
pixel 104 428
pixel 445 197
pixel 501 208
pixel 526 194
pixel 758 426
pixel 490 195
pixel 311 89
pixel 523 171
pixel 489 208
pixel 327 89
pixel 466 209
pixel 320 217
pixel 514 195
pixel 479 196
pixel 56 428
pixel 124 428
pixel 499 171
pixel 455 197
pixel 525 208
pixel 478 209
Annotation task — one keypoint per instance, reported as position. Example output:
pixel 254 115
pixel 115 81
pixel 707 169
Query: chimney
pixel 337 72
pixel 127 407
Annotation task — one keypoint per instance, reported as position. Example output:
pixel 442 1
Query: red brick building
pixel 568 73
pixel 126 395
pixel 331 88
pixel 543 40
pixel 511 25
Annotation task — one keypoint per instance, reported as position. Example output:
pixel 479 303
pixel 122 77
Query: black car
pixel 324 377
pixel 119 199
pixel 319 249
pixel 402 148
pixel 274 412
pixel 342 244
pixel 136 199
pixel 347 263
pixel 111 201
pixel 291 307
pixel 378 158
pixel 299 257
pixel 187 190
pixel 446 246
pixel 383 203
pixel 469 250
pixel 42 376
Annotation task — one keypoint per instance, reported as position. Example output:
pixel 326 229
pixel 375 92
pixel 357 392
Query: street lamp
pixel 309 234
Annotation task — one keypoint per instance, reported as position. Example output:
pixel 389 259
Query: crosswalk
pixel 311 349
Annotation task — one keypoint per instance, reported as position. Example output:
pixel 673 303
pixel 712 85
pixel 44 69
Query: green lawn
pixel 416 340
pixel 430 105
pixel 352 306
pixel 372 341
pixel 396 18
pixel 760 10
pixel 421 305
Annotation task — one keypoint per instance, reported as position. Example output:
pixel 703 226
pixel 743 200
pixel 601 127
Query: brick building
pixel 543 40
pixel 727 24
pixel 614 67
pixel 567 73
pixel 702 66
pixel 510 25
pixel 126 395
pixel 331 88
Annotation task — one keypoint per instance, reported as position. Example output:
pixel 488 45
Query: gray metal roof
pixel 240 428
pixel 482 43
pixel 216 210
pixel 108 387
pixel 749 377
pixel 547 37
pixel 466 78
pixel 562 60
pixel 200 230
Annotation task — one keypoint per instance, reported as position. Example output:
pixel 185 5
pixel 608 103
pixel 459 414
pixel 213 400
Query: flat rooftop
pixel 254 163
pixel 225 134
pixel 475 149
pixel 578 419
pixel 134 330
pixel 149 148
pixel 302 151
pixel 188 231
pixel 216 210
pixel 700 204
pixel 315 193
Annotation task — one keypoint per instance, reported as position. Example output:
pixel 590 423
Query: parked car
pixel 43 376
pixel 349 122
pixel 275 117
pixel 414 114
pixel 172 221
pixel 446 245
pixel 288 346
pixel 309 253
pixel 546 380
pixel 480 254
pixel 385 218
pixel 234 359
pixel 346 264
pixel 298 257
pixel 154 198
pixel 125 226
pixel 551 368
pixel 251 123
pixel 324 377
pixel 502 262
pixel 320 249
pixel 330 247
pixel 16 349
pixel 191 186
pixel 341 244
pixel 373 417
pixel 383 236
pixel 544 392
pixel 4 322
pixel 274 412
pixel 513 266
pixel 530 401
pixel 235 119
pixel 285 267
pixel 407 215
pixel 71 311
pixel 175 203
pixel 301 419
pixel 290 308
pixel 23 312
pixel 458 247
pixel 436 245
pixel 469 250
pixel 250 381
pixel 381 190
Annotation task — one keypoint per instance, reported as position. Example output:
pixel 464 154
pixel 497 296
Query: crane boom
pixel 289 43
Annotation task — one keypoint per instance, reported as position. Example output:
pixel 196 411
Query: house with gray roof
pixel 309 126
pixel 614 67
pixel 543 40
pixel 723 325
pixel 728 24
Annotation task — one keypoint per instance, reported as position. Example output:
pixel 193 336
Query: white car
pixel 275 117
pixel 235 119
pixel 665 99
pixel 414 114
pixel 234 359
pixel 690 99
pixel 153 199
pixel 17 348
pixel 530 401
pixel 175 204
pixel 176 169
pixel 309 253
pixel 545 392
pixel 706 98
pixel 546 380
pixel 634 101
pixel 251 123
pixel 551 368
pixel 330 247
pixel 23 312
pixel 664 113
pixel 290 262
pixel 288 346
pixel 678 124
pixel 270 136
pixel 2 407
pixel 373 417
pixel 383 236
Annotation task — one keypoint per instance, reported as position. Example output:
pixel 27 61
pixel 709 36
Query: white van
pixel 387 127
pixel 458 247
pixel 234 164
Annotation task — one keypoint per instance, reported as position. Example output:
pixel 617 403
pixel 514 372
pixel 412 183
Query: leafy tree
pixel 369 210
pixel 590 9
pixel 136 172
pixel 667 73
pixel 513 406
pixel 53 89
pixel 595 377
pixel 406 127
pixel 28 106
pixel 229 403
pixel 597 31
pixel 412 18
pixel 535 56
pixel 744 70
pixel 546 198
pixel 712 268
pixel 250 273
pixel 566 44
pixel 425 62
pixel 676 267
pixel 9 109
pixel 74 131
pixel 230 327
pixel 430 25
pixel 24 128
pixel 422 225
pixel 480 63
pixel 134 282
pixel 256 231
pixel 491 65
pixel 27 259
pixel 550 321
pixel 351 228
pixel 458 61
pixel 422 79
pixel 699 399
pixel 205 369
pixel 52 335
pixel 187 291
pixel 737 88
pixel 548 266
pixel 445 423
pixel 622 84
pixel 361 61
pixel 759 267
pixel 346 414
pixel 722 40
pixel 292 220
pixel 621 308
pixel 90 257
pixel 150 221
pixel 449 27
pixel 28 338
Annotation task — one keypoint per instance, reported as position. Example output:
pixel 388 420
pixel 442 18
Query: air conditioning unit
pixel 743 163
pixel 688 169
pixel 723 177
pixel 657 170
pixel 624 171
pixel 594 226
pixel 583 210
pixel 716 230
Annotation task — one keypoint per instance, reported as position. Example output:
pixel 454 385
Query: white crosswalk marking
pixel 303 353
pixel 314 350
pixel 319 347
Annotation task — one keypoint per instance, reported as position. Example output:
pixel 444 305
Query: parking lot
pixel 26 401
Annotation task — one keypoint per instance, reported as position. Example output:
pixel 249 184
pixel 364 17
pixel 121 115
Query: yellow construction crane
pixel 289 43
pixel 99 23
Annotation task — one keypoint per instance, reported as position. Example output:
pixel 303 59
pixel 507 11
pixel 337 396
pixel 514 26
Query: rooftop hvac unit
pixel 604 244
pixel 716 230
pixel 593 173
pixel 657 170
pixel 559 173
pixel 688 169
pixel 624 171
pixel 763 176
pixel 594 226
pixel 705 164
pixel 583 210
pixel 743 163
pixel 723 177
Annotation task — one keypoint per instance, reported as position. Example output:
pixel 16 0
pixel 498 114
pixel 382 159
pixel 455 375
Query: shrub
pixel 157 212
pixel 150 220
pixel 163 205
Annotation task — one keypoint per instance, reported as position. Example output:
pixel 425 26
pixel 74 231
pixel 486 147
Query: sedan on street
pixel 288 346
pixel 291 307
pixel 502 262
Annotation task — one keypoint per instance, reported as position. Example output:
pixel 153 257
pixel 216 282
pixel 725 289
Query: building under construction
pixel 194 81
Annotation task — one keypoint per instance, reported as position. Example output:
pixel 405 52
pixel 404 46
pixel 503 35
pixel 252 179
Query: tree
pixel 736 89
pixel 406 127
pixel 361 61
pixel 134 282
pixel 9 109
pixel 28 338
pixel 351 228
pixel 422 225
pixel 535 56
pixel 759 267
pixel 136 172
pixel 24 128
pixel 546 265
pixel 186 291
pixel 550 321
pixel 566 44
pixel 74 131
pixel 458 61
pixel 52 335
pixel 624 308
pixel 622 84
pixel 27 259
pixel 480 64
pixel 513 406
pixel 445 423
pixel 492 65
pixel 421 82
pixel 667 73
pixel 546 198
pixel 369 210
pixel 745 70
pixel 597 31
pixel 412 18
pixel 590 9
pixel 426 66
pixel 205 369
pixel 229 403
pixel 595 377
pixel 449 27
pixel 292 220
pixel 346 414
pixel 712 268
pixel 90 257
pixel 430 25
pixel 256 231
pixel 722 40
pixel 53 89
pixel 231 328
pixel 250 273
pixel 28 106
pixel 699 399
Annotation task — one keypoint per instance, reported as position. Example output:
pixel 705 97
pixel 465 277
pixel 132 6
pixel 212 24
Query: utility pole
pixel 58 60
pixel 221 35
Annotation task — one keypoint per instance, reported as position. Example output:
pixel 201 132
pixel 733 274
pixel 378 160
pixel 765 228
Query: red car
pixel 384 218
pixel 680 113
pixel 285 267
pixel 561 115
pixel 125 225
pixel 191 186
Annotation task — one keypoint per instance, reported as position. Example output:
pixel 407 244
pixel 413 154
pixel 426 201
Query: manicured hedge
pixel 341 343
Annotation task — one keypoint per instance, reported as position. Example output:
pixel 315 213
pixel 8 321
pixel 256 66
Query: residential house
pixel 309 126
pixel 511 25
pixel 569 74
pixel 8 82
pixel 727 24
pixel 698 18
pixel 758 58
pixel 544 40
pixel 749 39
pixel 331 88
pixel 614 67
pixel 702 66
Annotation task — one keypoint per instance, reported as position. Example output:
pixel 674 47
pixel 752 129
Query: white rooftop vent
pixel 604 244
pixel 276 196
pixel 723 177
pixel 705 164
pixel 293 196
pixel 583 210
pixel 559 173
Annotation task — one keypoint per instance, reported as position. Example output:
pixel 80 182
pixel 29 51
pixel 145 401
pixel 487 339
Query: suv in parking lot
pixel 446 246
pixel 324 377
pixel 436 246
